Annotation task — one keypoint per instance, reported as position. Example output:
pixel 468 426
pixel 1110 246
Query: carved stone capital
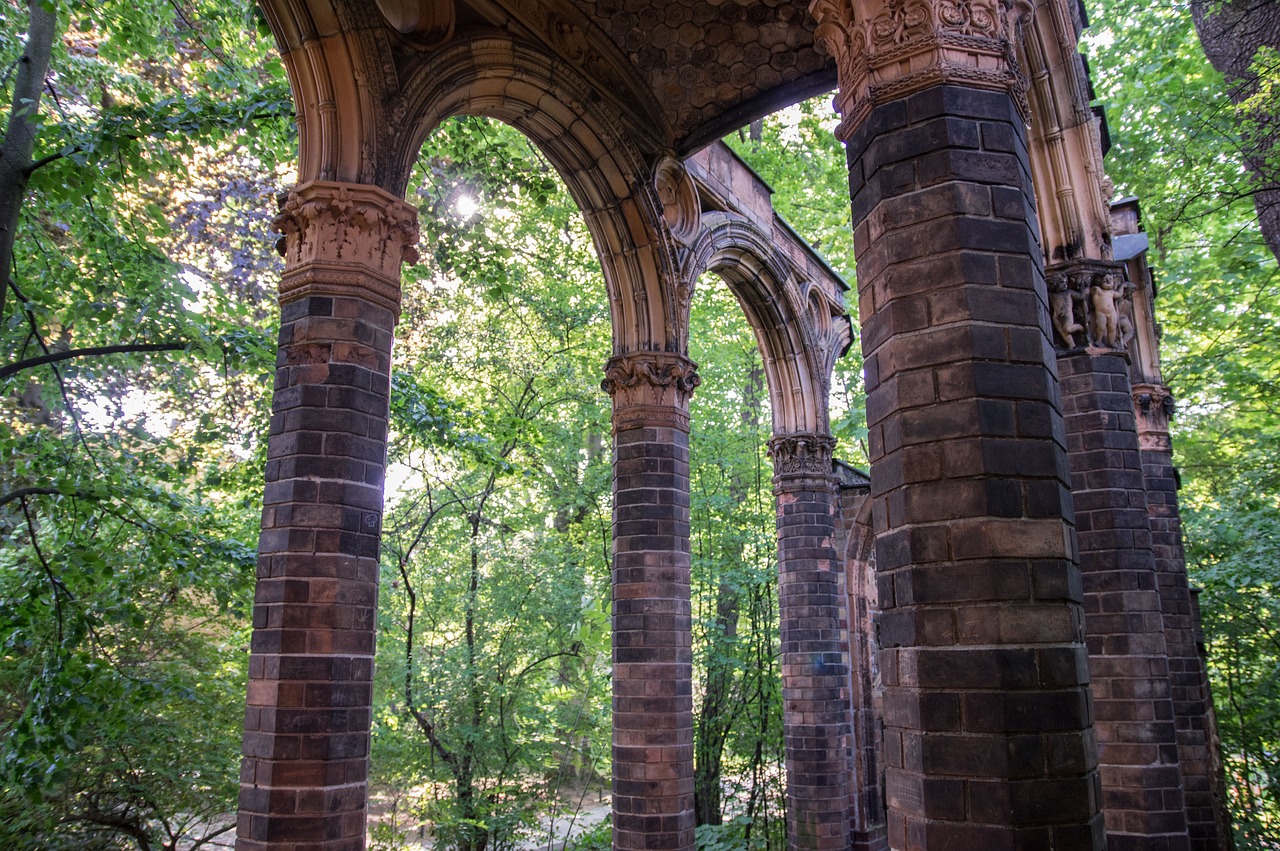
pixel 1153 407
pixel 345 239
pixel 1091 307
pixel 802 461
pixel 650 389
pixel 888 49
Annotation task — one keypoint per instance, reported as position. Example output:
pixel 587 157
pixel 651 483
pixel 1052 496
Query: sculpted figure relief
pixel 1090 306
pixel 1106 314
pixel 1125 305
pixel 1062 303
pixel 1111 325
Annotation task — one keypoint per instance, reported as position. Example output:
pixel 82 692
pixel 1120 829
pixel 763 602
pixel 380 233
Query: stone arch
pixel 612 180
pixel 800 329
pixel 339 67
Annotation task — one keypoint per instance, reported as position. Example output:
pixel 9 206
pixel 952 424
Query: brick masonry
pixel 653 805
pixel 1138 753
pixel 815 646
pixel 1198 745
pixel 988 725
pixel 306 739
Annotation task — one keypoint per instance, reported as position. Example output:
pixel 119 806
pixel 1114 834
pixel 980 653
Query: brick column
pixel 306 739
pixel 815 650
pixel 652 655
pixel 855 543
pixel 1208 819
pixel 988 728
pixel 1138 755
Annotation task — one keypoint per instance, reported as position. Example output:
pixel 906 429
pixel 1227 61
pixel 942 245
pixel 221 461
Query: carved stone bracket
pixel 680 206
pixel 650 389
pixel 888 49
pixel 1153 407
pixel 345 239
pixel 427 22
pixel 802 461
pixel 1091 306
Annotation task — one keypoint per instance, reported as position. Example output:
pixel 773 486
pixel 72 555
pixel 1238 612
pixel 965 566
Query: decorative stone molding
pixel 1153 407
pixel 680 206
pixel 427 22
pixel 829 326
pixel 1091 307
pixel 888 49
pixel 802 461
pixel 345 239
pixel 650 389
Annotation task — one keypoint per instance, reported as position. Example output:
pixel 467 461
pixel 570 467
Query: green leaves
pixel 1177 142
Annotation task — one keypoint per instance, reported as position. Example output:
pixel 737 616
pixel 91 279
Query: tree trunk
pixel 20 137
pixel 1232 33
pixel 715 718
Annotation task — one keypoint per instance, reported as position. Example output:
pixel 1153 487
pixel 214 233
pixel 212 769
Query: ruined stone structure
pixel 989 645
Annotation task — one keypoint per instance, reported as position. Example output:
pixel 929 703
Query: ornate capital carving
pixel 1153 406
pixel 345 239
pixel 802 461
pixel 888 49
pixel 1091 307
pixel 650 389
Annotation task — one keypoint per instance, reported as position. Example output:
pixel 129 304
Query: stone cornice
pixel 650 389
pixel 345 239
pixel 802 462
pixel 888 49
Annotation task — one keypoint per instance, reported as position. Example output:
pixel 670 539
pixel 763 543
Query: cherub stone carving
pixel 1105 298
pixel 1125 300
pixel 1062 307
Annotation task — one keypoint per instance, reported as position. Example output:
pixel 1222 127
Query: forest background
pixel 137 324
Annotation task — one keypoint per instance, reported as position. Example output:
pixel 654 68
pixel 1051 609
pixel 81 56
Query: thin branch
pixel 23 493
pixel 54 582
pixel 91 351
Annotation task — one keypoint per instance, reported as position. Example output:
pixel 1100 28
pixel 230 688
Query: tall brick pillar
pixel 306 739
pixel 1208 821
pixel 815 650
pixel 988 739
pixel 652 655
pixel 1137 747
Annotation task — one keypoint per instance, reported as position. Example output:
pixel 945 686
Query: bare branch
pixel 91 351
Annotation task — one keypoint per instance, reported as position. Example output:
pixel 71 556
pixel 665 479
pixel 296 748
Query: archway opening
pixel 491 702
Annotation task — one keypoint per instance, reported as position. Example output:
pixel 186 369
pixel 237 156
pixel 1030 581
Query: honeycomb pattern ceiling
pixel 704 67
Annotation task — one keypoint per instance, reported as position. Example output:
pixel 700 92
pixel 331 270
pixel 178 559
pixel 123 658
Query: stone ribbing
pixel 1208 821
pixel 653 805
pixel 988 728
pixel 306 739
pixel 1138 754
pixel 814 641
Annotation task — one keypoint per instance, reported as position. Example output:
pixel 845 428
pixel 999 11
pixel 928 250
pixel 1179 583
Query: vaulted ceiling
pixel 685 71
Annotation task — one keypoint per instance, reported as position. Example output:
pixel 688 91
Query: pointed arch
pixel 800 330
